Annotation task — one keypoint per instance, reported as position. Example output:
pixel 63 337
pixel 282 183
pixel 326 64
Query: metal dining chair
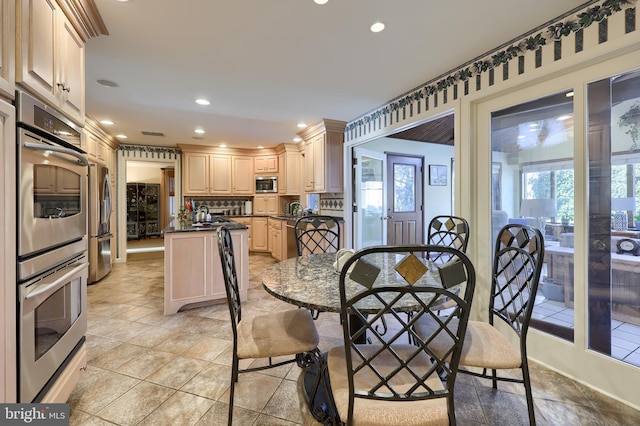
pixel 388 382
pixel 317 234
pixel 290 332
pixel 449 231
pixel 517 265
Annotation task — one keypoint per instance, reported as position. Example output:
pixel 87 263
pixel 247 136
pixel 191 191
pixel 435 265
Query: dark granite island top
pixel 178 226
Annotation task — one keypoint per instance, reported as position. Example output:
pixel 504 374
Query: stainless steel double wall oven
pixel 52 263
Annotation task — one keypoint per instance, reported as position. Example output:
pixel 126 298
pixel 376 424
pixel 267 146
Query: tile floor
pixel 148 369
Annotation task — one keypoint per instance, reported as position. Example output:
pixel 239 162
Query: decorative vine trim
pixel 128 150
pixel 530 42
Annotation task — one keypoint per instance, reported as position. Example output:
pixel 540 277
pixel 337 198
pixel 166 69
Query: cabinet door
pixel 260 205
pixel 7 47
pixel 71 70
pixel 291 173
pixel 8 299
pixel 196 173
pixel 243 175
pixel 220 176
pixel 308 165
pixel 319 164
pixel 272 204
pixel 36 68
pixel 266 164
pixel 259 241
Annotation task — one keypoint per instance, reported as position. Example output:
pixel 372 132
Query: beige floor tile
pixel 253 391
pixel 218 415
pixel 179 342
pixel 180 409
pixel 208 348
pixel 145 364
pixel 177 372
pixel 211 382
pixel 287 403
pixel 98 388
pixel 136 404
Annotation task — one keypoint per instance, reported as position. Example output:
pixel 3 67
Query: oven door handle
pixel 59 279
pixel 44 147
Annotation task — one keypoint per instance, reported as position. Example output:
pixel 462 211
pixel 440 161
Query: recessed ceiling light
pixel 302 125
pixel 107 122
pixel 203 102
pixel 107 83
pixel 123 1
pixel 199 131
pixel 320 1
pixel 297 139
pixel 376 27
pixel 121 136
pixel 260 147
pixel 223 145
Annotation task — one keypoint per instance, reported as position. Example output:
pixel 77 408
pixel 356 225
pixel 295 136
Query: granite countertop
pixel 177 226
pixel 311 282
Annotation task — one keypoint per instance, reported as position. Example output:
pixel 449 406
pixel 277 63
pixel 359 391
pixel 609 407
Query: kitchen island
pixel 192 269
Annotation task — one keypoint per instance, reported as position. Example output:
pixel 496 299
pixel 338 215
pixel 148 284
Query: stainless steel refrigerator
pixel 100 202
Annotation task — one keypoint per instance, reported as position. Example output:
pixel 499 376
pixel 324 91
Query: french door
pixel 569 159
pixel 370 186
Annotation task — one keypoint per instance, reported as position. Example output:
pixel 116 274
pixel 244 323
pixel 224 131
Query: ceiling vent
pixel 147 133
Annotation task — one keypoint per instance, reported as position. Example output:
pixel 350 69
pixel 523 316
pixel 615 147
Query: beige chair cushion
pixel 484 346
pixel 375 412
pixel 276 334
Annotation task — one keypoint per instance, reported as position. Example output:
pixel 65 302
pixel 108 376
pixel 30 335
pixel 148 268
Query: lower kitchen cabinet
pixel 192 270
pixel 276 241
pixel 259 237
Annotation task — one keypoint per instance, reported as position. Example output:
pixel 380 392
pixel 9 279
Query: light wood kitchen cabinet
pixel 266 164
pixel 248 222
pixel 206 174
pixel 243 182
pixel 265 204
pixel 259 237
pixel 217 174
pixel 323 153
pixel 275 238
pixel 7 48
pixel 192 269
pixel 50 57
pixel 8 295
pixel 289 176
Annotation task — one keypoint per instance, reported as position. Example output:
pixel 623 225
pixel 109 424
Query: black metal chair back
pixel 517 265
pixel 448 231
pixel 227 259
pixel 317 234
pixel 389 281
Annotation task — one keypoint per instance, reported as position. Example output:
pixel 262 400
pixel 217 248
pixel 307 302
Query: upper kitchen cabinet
pixel 323 152
pixel 99 146
pixel 243 182
pixel 266 164
pixel 7 43
pixel 208 172
pixel 289 170
pixel 51 48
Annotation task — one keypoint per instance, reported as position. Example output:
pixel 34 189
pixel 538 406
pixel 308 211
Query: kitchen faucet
pixel 295 211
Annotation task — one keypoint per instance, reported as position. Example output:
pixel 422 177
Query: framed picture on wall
pixel 437 175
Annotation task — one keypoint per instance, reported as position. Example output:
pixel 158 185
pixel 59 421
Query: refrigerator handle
pixel 107 196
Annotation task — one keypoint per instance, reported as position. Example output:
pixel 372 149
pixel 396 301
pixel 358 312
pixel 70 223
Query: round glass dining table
pixel 312 282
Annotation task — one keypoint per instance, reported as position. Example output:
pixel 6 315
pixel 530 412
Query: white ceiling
pixel 268 64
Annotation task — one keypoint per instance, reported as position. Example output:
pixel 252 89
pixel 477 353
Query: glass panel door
pixel 532 184
pixel 613 294
pixel 370 185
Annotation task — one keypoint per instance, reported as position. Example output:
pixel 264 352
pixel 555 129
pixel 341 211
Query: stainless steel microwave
pixel 265 184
